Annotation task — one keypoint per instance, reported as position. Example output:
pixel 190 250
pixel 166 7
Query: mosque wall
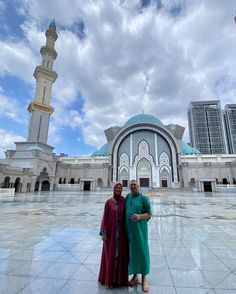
pixel 219 173
pixel 75 173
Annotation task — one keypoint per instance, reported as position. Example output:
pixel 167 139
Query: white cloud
pixel 2 6
pixel 130 59
pixel 11 108
pixel 16 59
pixel 7 140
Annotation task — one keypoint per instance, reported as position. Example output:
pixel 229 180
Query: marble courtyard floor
pixel 49 243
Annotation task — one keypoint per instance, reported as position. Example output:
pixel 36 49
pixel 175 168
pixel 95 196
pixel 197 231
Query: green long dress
pixel 138 233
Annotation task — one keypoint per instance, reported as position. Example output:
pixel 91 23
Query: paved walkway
pixel 49 243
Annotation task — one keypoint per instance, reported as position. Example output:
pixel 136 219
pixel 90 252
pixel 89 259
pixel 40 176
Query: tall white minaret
pixel 40 109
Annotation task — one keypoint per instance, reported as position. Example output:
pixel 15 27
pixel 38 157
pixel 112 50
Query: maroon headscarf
pixel 116 197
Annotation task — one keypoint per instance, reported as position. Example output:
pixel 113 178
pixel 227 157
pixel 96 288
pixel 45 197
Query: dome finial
pixel 52 25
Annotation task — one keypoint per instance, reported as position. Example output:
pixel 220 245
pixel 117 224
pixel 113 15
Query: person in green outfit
pixel 137 214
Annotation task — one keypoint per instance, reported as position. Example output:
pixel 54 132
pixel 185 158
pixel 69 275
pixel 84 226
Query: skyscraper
pixel 206 127
pixel 230 126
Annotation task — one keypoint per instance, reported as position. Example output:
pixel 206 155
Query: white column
pixel 131 149
pixel 156 151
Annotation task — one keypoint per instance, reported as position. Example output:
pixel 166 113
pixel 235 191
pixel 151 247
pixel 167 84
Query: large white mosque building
pixel 142 148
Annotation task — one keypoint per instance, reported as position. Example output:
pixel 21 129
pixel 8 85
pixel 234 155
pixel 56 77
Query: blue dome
pixel 187 150
pixel 143 118
pixel 103 151
pixel 34 148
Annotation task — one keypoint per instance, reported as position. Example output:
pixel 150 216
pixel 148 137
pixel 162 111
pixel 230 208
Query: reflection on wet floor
pixel 50 241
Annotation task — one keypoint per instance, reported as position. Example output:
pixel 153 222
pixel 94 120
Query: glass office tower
pixel 206 128
pixel 230 126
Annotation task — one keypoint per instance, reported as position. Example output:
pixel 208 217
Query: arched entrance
pixel 6 182
pixel 42 182
pixel 144 173
pixel 17 185
pixel 164 177
pixel 124 176
pixel 45 185
pixel 100 183
pixel 192 183
pixel 36 186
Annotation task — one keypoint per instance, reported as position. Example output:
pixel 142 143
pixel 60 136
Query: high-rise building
pixel 230 126
pixel 206 128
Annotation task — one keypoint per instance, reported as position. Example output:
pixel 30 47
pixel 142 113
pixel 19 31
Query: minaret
pixel 40 109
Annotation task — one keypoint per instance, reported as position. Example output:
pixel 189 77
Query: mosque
pixel 142 148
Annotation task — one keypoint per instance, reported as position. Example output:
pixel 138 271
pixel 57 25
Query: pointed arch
pixel 124 176
pixel 165 176
pixel 144 173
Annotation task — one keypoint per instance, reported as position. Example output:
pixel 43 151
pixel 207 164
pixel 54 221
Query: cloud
pixel 14 60
pixel 2 6
pixel 12 110
pixel 7 140
pixel 157 58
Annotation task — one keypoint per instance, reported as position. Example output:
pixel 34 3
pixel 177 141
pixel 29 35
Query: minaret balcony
pixel 51 32
pixel 40 107
pixel 49 50
pixel 45 72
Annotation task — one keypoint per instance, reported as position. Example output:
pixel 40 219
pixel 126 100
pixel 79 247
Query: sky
pixel 115 59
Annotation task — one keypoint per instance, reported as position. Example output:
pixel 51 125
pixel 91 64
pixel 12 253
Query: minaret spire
pixel 40 109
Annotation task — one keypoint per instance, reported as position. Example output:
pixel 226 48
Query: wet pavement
pixel 49 243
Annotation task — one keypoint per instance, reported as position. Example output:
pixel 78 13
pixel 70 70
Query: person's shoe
pixel 133 281
pixel 145 286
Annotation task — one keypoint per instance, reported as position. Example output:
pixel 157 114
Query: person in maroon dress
pixel 114 260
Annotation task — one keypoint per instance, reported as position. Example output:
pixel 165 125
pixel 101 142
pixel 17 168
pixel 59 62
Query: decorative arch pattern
pixel 164 159
pixel 143 152
pixel 124 159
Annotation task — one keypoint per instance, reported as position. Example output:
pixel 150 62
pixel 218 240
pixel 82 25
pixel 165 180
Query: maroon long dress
pixel 114 260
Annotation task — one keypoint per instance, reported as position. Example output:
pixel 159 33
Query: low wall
pixel 226 188
pixel 68 187
pixel 7 191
